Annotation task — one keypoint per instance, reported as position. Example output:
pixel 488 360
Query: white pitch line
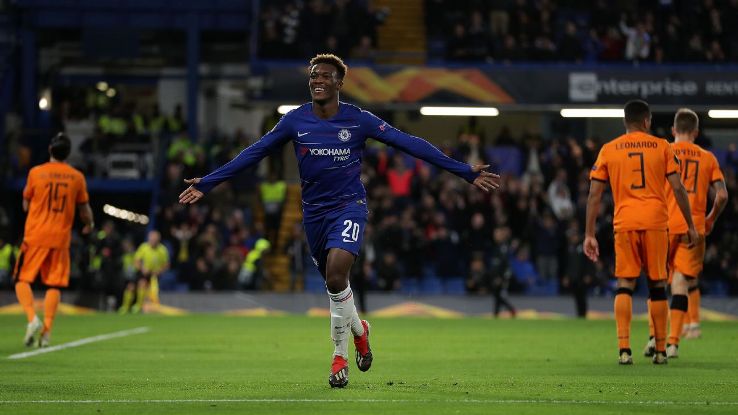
pixel 80 342
pixel 460 401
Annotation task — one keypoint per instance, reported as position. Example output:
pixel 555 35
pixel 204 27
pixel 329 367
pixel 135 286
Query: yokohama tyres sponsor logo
pixel 330 151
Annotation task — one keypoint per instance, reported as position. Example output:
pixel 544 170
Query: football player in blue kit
pixel 328 138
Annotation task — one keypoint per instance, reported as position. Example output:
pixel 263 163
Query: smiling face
pixel 324 83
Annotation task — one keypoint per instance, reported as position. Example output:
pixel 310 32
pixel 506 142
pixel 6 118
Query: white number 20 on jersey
pixel 351 232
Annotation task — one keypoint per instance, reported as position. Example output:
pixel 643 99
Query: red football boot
pixel 363 351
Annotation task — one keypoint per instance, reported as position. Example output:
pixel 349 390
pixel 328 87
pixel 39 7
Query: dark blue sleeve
pixel 271 141
pixel 378 129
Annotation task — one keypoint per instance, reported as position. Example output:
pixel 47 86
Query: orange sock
pixel 694 306
pixel 25 298
pixel 678 311
pixel 660 314
pixel 685 320
pixel 623 315
pixel 51 303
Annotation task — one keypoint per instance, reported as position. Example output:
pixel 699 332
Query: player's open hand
pixel 190 194
pixel 591 248
pixel 692 237
pixel 486 181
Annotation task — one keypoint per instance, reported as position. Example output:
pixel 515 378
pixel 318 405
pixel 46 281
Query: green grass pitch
pixel 212 364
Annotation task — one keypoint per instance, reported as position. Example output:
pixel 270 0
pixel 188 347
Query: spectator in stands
pixel 510 50
pixel 577 276
pixel 364 51
pixel 612 45
pixel 273 193
pixel 458 45
pixel 299 253
pixel 544 48
pixel 314 23
pixel 695 48
pixel 7 258
pixel 226 273
pixel 478 279
pixel 559 197
pixel 388 272
pixel 399 179
pixel 252 275
pixel 638 41
pixel 478 37
pixel 570 47
pixel 547 245
pixel 176 122
pixel 202 275
pixel 478 235
pixel 522 268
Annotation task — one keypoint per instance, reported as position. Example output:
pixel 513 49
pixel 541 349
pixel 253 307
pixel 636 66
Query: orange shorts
pixel 687 261
pixel 641 250
pixel 52 263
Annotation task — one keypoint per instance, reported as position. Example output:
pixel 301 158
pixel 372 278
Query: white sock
pixel 343 316
pixel 356 327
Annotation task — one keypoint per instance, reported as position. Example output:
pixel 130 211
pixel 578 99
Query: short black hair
pixel 636 111
pixel 331 59
pixel 686 121
pixel 60 147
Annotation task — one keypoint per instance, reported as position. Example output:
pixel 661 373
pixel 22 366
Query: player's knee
pixel 657 293
pixel 628 283
pixel 335 282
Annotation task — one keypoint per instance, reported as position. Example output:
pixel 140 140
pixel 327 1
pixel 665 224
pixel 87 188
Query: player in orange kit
pixel 700 173
pixel 637 165
pixel 52 193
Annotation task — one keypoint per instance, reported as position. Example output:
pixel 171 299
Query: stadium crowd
pixel 665 31
pixel 514 30
pixel 423 224
pixel 428 225
pixel 292 29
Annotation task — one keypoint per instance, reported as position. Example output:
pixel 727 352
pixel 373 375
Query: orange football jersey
pixel 699 169
pixel 54 190
pixel 636 165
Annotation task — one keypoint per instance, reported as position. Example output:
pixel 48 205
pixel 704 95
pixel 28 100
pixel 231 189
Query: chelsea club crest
pixel 344 135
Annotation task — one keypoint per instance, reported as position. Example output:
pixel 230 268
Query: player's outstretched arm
pixel 251 155
pixel 591 246
pixel 682 199
pixel 721 199
pixel 419 148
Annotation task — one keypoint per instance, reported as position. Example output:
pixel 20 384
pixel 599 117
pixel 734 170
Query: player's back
pixel 636 165
pixel 54 189
pixel 699 168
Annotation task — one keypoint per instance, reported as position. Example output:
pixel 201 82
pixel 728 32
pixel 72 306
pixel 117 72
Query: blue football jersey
pixel 329 154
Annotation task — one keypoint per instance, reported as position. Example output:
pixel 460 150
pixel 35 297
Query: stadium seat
pixel 314 282
pixel 168 281
pixel 543 288
pixel 410 286
pixel 454 286
pixel 431 285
